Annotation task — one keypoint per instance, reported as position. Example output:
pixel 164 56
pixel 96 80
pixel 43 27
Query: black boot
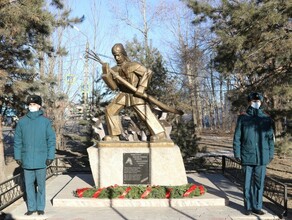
pixel 40 212
pixel 29 212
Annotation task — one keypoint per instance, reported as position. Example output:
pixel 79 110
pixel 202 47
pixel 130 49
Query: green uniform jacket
pixel 34 140
pixel 253 140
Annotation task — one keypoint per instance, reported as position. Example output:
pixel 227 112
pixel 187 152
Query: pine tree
pixel 25 27
pixel 21 25
pixel 161 85
pixel 252 41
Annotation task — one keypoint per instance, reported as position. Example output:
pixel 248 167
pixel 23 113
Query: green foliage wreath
pixel 142 192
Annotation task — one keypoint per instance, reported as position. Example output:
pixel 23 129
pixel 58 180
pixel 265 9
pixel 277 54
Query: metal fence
pixel 274 190
pixel 62 165
pixel 13 188
pixel 8 141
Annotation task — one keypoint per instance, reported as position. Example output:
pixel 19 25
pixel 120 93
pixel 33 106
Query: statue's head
pixel 119 53
pixel 119 49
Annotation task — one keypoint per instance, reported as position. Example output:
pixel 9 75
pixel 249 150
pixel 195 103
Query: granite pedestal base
pixel 166 165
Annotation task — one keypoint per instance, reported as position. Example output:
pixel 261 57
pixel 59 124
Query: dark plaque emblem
pixel 136 168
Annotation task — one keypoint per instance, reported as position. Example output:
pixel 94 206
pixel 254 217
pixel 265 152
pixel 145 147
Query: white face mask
pixel 256 105
pixel 33 108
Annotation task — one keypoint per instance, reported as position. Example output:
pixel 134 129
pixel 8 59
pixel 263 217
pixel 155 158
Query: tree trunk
pixel 214 103
pixel 228 115
pixel 192 94
pixel 221 106
pixel 198 106
pixel 2 155
pixel 211 115
pixel 41 64
pixel 278 120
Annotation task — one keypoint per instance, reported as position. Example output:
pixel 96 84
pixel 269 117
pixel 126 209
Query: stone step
pixel 57 185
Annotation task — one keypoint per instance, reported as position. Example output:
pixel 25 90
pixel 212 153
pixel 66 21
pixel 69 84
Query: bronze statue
pixel 131 78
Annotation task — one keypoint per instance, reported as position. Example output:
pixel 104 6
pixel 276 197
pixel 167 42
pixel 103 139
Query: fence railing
pixel 274 190
pixel 63 165
pixel 13 188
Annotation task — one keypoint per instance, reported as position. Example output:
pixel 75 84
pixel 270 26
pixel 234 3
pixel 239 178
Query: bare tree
pixel 186 56
pixel 2 161
pixel 146 17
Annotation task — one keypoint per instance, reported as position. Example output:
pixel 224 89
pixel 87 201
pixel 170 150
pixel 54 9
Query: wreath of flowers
pixel 141 192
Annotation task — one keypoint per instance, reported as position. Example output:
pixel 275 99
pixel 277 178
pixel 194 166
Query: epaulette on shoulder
pixel 45 116
pixel 21 117
pixel 267 114
pixel 48 118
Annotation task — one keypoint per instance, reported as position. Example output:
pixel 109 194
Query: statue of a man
pixel 138 76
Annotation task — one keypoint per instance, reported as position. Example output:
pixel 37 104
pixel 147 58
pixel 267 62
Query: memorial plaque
pixel 136 168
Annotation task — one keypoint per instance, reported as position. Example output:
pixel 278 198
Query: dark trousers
pixel 36 196
pixel 254 178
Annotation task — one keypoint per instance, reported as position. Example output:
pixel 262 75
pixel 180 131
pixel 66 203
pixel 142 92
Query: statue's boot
pixel 111 138
pixel 159 137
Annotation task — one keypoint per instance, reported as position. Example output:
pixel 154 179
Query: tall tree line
pixel 23 27
pixel 27 52
pixel 252 49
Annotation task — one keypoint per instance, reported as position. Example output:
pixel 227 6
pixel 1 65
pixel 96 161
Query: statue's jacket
pixel 138 76
pixel 34 140
pixel 253 140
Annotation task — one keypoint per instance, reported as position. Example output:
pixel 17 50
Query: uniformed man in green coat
pixel 34 150
pixel 253 146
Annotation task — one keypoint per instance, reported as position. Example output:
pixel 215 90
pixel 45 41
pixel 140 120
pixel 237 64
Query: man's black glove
pixel 49 162
pixel 18 162
pixel 238 160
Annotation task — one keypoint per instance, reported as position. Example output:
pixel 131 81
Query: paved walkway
pixel 55 185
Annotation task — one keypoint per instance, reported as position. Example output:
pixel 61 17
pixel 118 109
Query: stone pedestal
pixel 166 165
